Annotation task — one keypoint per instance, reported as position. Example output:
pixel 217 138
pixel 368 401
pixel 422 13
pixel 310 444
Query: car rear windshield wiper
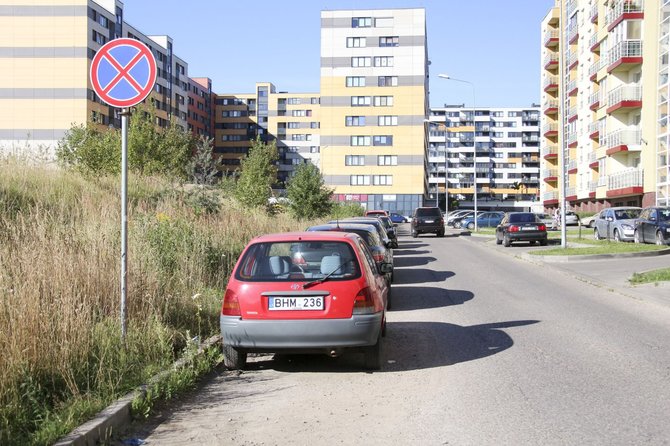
pixel 324 278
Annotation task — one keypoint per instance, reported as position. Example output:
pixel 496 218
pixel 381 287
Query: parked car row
pixel 323 290
pixel 632 224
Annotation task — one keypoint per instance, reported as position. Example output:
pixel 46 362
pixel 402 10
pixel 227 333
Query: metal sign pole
pixel 124 219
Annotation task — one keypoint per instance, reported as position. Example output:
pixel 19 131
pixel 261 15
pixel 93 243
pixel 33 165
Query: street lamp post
pixel 474 143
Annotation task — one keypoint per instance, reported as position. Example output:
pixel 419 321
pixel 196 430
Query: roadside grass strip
pixel 597 247
pixel 657 275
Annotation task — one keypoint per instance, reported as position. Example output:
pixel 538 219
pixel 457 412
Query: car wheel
pixel 457 225
pixel 233 359
pixel 636 237
pixel 471 226
pixel 659 238
pixel 440 233
pixel 596 234
pixel 415 234
pixel 543 242
pixel 532 242
pixel 506 241
pixel 373 355
pixel 498 241
pixel 617 236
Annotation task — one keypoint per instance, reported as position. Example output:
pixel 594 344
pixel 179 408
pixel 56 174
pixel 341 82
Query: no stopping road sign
pixel 123 72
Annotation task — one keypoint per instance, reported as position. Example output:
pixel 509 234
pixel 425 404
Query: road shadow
pixel 407 298
pixel 407 346
pixel 409 252
pixel 419 275
pixel 403 262
pixel 409 245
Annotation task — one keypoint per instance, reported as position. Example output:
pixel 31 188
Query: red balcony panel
pixel 633 190
pixel 617 149
pixel 595 135
pixel 594 165
pixel 624 106
pixel 551 65
pixel 594 77
pixel 571 198
pixel 551 42
pixel 550 202
pixel 551 110
pixel 550 156
pixel 551 87
pixel 573 144
pixel 551 133
pixel 639 15
pixel 574 38
pixel 573 64
pixel 624 62
pixel 573 92
pixel 594 18
pixel 550 179
pixel 592 195
pixel 595 48
pixel 572 118
pixel 573 170
pixel 595 106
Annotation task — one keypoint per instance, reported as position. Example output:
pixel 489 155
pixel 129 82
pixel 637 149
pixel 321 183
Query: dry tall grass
pixel 59 286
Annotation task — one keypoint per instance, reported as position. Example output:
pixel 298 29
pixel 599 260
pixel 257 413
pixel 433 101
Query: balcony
pixel 530 138
pixel 624 98
pixel 550 130
pixel 594 13
pixel 629 182
pixel 572 60
pixel 550 197
pixel 593 161
pixel 594 130
pixel 550 62
pixel 624 10
pixel 551 39
pixel 572 88
pixel 624 55
pixel 549 152
pixel 571 193
pixel 594 101
pixel 550 107
pixel 596 66
pixel 573 34
pixel 551 84
pixel 592 185
pixel 572 139
pixel 572 113
pixel 550 175
pixel 594 43
pixel 623 140
pixel 572 166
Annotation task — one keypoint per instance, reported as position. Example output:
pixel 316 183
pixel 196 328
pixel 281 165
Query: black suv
pixel 427 220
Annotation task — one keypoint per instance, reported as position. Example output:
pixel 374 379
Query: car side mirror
pixel 385 268
pixel 388 243
pixel 610 219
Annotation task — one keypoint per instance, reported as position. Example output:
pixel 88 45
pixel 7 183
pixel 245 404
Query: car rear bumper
pixel 428 228
pixel 296 335
pixel 526 237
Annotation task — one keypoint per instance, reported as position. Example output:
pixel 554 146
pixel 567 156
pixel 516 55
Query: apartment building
pixel 374 100
pixel 200 110
pixel 601 72
pixel 500 147
pixel 45 52
pixel 289 119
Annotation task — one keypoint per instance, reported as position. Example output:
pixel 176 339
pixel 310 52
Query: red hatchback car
pixel 305 292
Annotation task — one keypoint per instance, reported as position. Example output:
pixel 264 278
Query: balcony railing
pixel 549 173
pixel 572 58
pixel 593 128
pixel 591 157
pixel 625 48
pixel 530 116
pixel 572 138
pixel 572 165
pixel 623 7
pixel 551 80
pixel 572 32
pixel 572 85
pixel 594 12
pixel 571 191
pixel 593 40
pixel 549 35
pixel 596 66
pixel 591 185
pixel 549 150
pixel 530 138
pixel 624 93
pixel 594 98
pixel 628 178
pixel 549 128
pixel 622 137
pixel 550 58
pixel 551 103
pixel 553 195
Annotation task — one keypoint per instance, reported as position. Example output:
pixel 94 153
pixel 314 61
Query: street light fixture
pixel 474 143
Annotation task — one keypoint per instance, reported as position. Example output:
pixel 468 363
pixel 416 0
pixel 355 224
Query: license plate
pixel 295 303
pixel 529 228
pixel 429 221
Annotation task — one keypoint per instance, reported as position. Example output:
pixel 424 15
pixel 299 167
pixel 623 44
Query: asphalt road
pixel 482 349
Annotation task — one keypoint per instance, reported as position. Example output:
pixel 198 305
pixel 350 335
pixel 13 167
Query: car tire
pixel 636 237
pixel 415 234
pixel 506 241
pixel 596 234
pixel 471 226
pixel 440 233
pixel 659 238
pixel 389 299
pixel 532 242
pixel 617 236
pixel 372 355
pixel 233 359
pixel 543 242
pixel 498 241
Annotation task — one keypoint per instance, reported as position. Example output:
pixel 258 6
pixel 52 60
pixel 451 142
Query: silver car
pixel 617 223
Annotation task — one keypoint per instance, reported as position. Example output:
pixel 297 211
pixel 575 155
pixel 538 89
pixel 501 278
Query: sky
pixel 494 44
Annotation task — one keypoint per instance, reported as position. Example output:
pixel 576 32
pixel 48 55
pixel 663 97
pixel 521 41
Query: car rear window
pixel 664 215
pixel 426 212
pixel 298 260
pixel 522 218
pixel 623 214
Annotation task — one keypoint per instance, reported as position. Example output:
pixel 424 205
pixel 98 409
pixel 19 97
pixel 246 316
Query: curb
pixel 586 257
pixel 114 417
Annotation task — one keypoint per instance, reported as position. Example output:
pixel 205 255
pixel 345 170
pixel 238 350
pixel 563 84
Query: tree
pixel 259 172
pixel 203 168
pixel 308 196
pixel 90 151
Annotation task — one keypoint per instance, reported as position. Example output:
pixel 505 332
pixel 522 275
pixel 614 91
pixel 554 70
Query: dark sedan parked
pixel 521 226
pixel 653 226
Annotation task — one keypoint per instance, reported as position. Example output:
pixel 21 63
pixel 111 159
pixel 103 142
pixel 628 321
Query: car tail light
pixel 441 220
pixel 414 220
pixel 231 305
pixel 513 228
pixel 542 227
pixel 378 256
pixel 364 302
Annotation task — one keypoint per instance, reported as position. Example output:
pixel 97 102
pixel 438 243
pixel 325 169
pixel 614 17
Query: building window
pixel 355 121
pixel 354 160
pixel 383 61
pixel 382 140
pixel 358 62
pixel 294 125
pixel 387 120
pixel 355 81
pixel 355 42
pixel 382 180
pixel 360 101
pixel 387 81
pixel 314 100
pixel 359 180
pixel 387 160
pixel 388 41
pixel 232 138
pixel 360 140
pixel 293 101
pixel 314 149
pixel 361 22
pixel 314 125
pixel 383 101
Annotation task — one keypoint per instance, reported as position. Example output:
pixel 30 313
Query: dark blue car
pixel 397 218
pixel 653 226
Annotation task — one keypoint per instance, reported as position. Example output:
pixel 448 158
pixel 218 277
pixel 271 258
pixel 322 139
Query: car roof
pixel 343 226
pixel 305 236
